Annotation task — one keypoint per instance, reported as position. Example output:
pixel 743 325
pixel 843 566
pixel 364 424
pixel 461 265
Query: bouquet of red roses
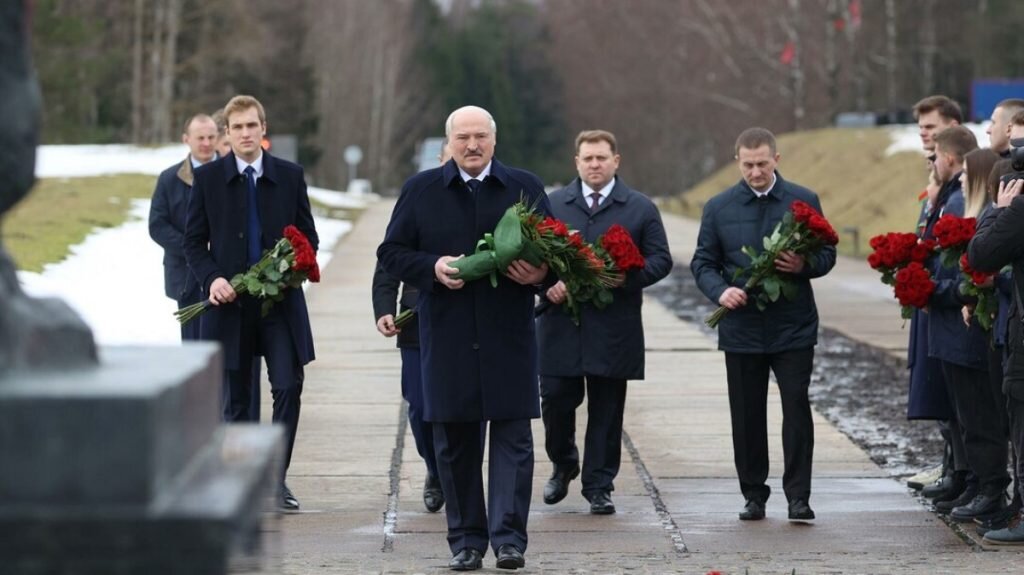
pixel 588 271
pixel 615 253
pixel 952 234
pixel 802 230
pixel 979 285
pixel 893 251
pixel 913 287
pixel 289 263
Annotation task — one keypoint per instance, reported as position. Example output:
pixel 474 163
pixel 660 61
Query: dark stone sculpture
pixel 33 332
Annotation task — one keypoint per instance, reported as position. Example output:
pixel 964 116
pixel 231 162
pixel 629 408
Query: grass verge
pixel 61 212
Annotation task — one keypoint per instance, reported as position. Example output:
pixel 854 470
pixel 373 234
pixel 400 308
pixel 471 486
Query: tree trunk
pixel 164 117
pixel 928 47
pixel 890 55
pixel 155 62
pixel 796 73
pixel 832 57
pixel 137 42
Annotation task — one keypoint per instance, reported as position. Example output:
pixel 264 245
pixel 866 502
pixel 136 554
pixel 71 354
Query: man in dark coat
pixel 927 396
pixel 596 357
pixel 1000 242
pixel 167 214
pixel 169 208
pixel 240 206
pixel 477 342
pixel 781 338
pixel 385 292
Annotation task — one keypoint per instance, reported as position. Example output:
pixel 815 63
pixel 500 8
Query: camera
pixel 1016 161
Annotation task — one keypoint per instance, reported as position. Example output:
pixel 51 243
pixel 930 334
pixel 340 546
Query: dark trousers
pixel 1014 386
pixel 412 392
pixel 271 338
pixel 995 380
pixel 747 375
pixel 1015 408
pixel 254 395
pixel 602 449
pixel 502 520
pixel 980 422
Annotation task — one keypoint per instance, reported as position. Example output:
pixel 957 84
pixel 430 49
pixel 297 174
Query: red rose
pixel 914 285
pixel 305 257
pixel 953 231
pixel 922 250
pixel 802 211
pixel 556 227
pixel 977 278
pixel 619 245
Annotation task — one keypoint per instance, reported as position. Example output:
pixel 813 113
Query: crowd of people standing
pixel 479 361
pixel 962 375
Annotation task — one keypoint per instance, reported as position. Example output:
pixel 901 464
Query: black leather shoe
pixel 601 503
pixel 286 501
pixel 949 487
pixel 433 497
pixel 799 510
pixel 945 506
pixel 510 557
pixel 467 559
pixel 752 511
pixel 557 487
pixel 984 504
pixel 998 519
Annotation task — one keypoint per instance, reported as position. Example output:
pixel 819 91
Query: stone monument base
pixel 125 468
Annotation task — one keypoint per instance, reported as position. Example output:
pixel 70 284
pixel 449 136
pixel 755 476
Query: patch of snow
pixel 114 279
pixel 906 138
pixel 100 160
pixel 336 199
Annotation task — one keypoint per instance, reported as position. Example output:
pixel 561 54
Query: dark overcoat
pixel 609 342
pixel 477 344
pixel 927 397
pixel 1003 283
pixel 167 214
pixel 216 244
pixel 949 339
pixel 737 218
pixel 1000 242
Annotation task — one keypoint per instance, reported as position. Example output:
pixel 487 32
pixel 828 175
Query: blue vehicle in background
pixel 987 92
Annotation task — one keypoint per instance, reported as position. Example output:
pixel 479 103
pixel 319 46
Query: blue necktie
pixel 253 228
pixel 474 185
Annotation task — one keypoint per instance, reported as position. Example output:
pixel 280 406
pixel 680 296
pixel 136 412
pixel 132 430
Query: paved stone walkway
pixel 357 473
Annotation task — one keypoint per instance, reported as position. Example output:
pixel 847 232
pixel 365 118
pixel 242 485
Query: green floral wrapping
pixel 496 251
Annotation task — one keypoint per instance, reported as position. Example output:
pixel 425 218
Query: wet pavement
pixel 359 479
pixel 859 388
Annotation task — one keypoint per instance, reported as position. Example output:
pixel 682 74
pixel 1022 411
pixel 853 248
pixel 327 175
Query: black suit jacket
pixel 216 244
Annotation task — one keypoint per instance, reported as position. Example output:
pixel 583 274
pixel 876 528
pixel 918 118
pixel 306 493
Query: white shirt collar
pixel 196 163
pixel 257 165
pixel 766 192
pixel 466 177
pixel 605 191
